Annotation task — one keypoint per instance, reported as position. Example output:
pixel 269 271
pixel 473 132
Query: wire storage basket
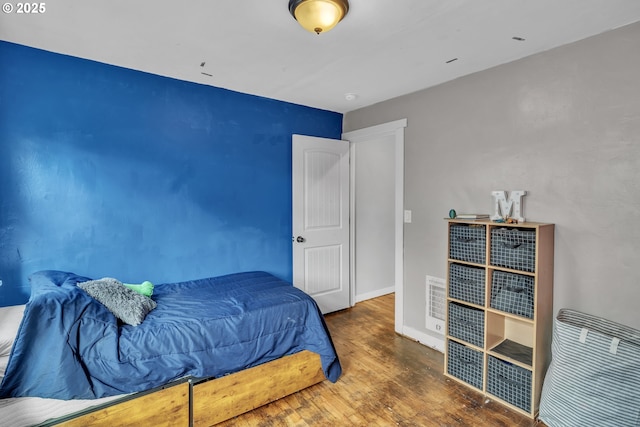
pixel 466 283
pixel 513 248
pixel 510 383
pixel 465 363
pixel 512 293
pixel 466 323
pixel 467 242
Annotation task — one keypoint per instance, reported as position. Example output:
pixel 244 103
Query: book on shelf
pixel 472 216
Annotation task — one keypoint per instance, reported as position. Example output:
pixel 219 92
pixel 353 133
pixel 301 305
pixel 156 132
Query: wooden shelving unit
pixel 500 309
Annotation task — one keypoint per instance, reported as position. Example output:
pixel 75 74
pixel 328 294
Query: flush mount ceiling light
pixel 318 16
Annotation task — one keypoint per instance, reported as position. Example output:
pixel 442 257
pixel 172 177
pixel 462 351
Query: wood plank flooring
pixel 387 380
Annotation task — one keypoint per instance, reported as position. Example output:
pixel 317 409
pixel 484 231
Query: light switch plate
pixel 407 216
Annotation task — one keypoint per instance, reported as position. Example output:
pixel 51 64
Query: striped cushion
pixel 594 375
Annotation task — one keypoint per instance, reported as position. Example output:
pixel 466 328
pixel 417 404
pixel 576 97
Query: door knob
pixel 300 239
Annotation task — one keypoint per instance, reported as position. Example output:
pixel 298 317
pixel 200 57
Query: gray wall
pixel 374 164
pixel 564 125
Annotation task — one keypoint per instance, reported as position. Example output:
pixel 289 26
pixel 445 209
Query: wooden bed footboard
pixel 166 407
pixel 229 396
pixel 208 402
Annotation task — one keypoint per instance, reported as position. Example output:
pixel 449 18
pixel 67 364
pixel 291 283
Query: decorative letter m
pixel 511 207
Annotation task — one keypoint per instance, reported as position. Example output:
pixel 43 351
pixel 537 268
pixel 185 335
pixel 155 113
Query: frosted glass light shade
pixel 318 16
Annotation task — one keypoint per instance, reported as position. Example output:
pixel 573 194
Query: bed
pixel 211 349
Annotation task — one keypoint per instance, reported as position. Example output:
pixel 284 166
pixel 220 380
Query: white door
pixel 320 176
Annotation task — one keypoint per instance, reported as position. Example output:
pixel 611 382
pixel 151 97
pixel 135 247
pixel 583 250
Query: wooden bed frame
pixel 200 403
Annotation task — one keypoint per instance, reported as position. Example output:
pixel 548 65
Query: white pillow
pixel 10 318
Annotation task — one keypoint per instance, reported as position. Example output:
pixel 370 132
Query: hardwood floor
pixel 387 380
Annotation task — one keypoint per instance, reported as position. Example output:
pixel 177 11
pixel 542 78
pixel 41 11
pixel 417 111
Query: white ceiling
pixel 382 49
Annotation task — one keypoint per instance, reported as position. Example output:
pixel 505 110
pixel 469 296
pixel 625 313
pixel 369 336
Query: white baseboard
pixel 425 339
pixel 375 294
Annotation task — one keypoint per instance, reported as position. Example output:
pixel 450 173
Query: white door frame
pixel 395 128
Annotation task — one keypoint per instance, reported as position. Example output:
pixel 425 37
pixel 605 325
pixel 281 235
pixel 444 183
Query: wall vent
pixel 436 301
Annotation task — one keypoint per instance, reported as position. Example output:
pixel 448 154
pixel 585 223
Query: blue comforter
pixel 70 346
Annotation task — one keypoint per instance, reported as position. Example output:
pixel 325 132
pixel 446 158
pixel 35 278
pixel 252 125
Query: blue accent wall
pixel 106 171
